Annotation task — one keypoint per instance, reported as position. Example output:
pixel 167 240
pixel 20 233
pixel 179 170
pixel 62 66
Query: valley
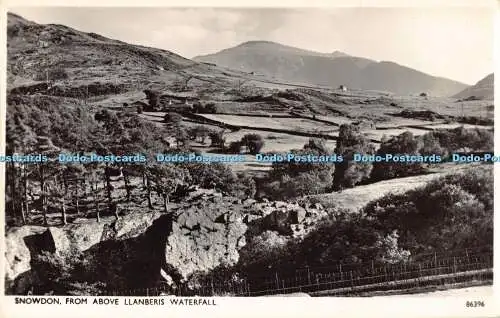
pixel 103 228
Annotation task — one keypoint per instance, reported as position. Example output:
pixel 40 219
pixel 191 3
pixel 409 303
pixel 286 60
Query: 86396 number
pixel 474 303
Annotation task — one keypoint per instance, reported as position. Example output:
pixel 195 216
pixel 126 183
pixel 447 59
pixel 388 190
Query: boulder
pixel 131 225
pixel 248 202
pixel 249 218
pixel 18 249
pixel 205 247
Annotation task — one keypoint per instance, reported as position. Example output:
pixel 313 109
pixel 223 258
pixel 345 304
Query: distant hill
pixel 483 89
pixel 332 69
pixel 33 49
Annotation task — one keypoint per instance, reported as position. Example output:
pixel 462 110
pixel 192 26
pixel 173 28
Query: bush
pixel 294 179
pixel 404 144
pixel 348 173
pixel 153 98
pixel 211 108
pixel 234 147
pixel 69 273
pixel 217 138
pixel 452 212
pixel 172 118
pixel 254 143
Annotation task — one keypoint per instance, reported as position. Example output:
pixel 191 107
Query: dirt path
pixel 357 197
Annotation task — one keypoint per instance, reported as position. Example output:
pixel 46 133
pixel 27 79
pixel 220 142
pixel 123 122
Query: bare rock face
pixel 201 234
pixel 17 250
pixel 25 242
pixel 290 219
pixel 203 238
pixel 83 236
pixel 135 224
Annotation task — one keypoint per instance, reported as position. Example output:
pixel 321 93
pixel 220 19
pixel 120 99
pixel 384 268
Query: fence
pixel 337 280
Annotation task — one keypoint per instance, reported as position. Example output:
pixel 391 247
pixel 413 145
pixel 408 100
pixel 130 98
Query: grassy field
pixel 378 134
pixel 355 198
pixel 298 124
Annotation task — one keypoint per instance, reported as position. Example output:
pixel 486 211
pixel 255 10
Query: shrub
pixel 348 173
pixel 404 144
pixel 172 117
pixel 234 147
pixel 153 98
pixel 217 138
pixel 211 108
pixel 254 143
pixel 452 212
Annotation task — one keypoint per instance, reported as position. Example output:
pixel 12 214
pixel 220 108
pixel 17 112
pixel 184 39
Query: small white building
pixel 343 88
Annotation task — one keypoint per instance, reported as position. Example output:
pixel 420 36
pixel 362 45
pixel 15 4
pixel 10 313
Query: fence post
pixel 435 264
pixel 419 274
pixel 212 285
pixel 341 273
pixel 352 280
pixel 373 268
pixel 308 276
pixel 277 281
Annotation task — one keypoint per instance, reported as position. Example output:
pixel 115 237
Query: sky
pixel 451 42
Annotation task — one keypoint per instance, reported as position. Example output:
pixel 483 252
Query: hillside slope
pixel 71 58
pixel 298 65
pixel 483 89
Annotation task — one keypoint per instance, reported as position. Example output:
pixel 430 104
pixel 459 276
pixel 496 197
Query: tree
pixel 45 146
pixel 430 145
pixel 210 108
pixel 173 118
pixel 318 145
pixel 348 173
pixel 253 142
pixel 234 147
pixel 153 98
pixel 200 132
pixel 19 139
pixel 217 139
pixel 182 138
pixel 404 144
pixel 167 178
pixel 214 175
pixel 58 190
pixel 94 178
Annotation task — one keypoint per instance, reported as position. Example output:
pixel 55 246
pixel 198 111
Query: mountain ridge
pixel 483 89
pixel 337 68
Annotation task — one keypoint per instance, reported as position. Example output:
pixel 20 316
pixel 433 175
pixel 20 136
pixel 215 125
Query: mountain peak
pixel 258 42
pixel 339 54
pixel 296 65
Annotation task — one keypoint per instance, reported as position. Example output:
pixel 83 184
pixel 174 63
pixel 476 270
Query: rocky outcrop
pixel 290 219
pixel 205 232
pixel 204 237
pixel 23 243
pixel 18 248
